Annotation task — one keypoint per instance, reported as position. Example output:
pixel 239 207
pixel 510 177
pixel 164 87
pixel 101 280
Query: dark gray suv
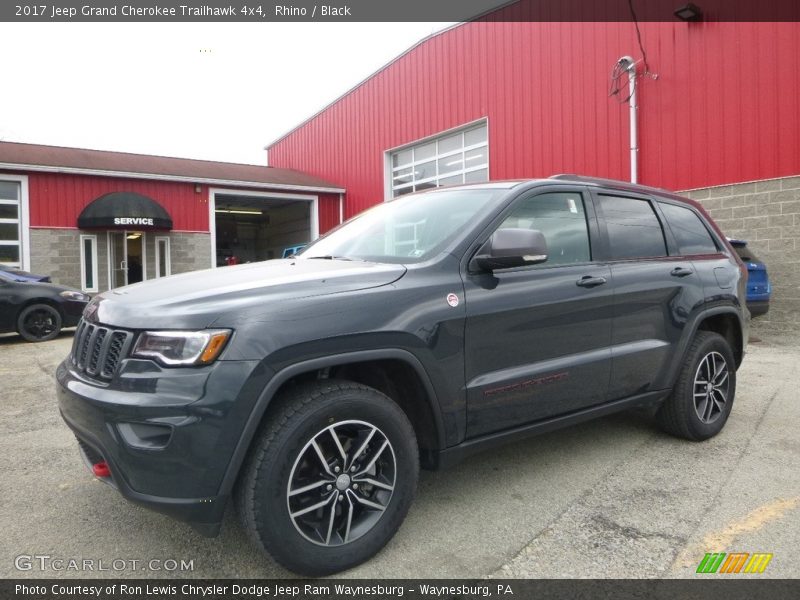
pixel 311 389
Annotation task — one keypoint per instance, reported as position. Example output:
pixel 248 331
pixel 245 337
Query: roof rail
pixel 626 185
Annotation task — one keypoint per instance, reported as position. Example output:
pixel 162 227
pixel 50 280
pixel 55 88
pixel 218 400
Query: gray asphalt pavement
pixel 611 498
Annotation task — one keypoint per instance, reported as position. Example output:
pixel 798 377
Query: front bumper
pixel 167 435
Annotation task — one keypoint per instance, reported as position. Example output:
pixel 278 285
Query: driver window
pixel 561 217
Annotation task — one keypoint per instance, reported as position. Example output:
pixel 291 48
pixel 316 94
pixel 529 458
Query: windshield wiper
pixel 330 257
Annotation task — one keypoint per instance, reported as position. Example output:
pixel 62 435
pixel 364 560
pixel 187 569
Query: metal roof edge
pixel 163 177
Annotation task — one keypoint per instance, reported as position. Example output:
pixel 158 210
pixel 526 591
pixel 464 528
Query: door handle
pixel 588 281
pixel 680 272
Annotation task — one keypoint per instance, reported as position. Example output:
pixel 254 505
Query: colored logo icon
pixel 734 562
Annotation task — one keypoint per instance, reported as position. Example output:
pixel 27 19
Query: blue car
pixel 759 288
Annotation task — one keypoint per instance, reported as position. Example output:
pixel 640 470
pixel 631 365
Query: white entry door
pixel 117 259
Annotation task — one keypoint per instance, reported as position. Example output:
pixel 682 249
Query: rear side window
pixel 745 253
pixel 689 231
pixel 634 230
pixel 561 218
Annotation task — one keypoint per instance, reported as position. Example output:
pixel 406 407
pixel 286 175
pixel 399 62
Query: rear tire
pixel 39 323
pixel 702 398
pixel 330 477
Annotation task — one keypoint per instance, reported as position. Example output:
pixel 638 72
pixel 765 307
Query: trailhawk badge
pixel 452 300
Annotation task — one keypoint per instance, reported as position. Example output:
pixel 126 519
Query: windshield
pixel 407 230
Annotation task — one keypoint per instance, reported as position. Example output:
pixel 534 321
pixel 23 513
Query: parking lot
pixel 610 498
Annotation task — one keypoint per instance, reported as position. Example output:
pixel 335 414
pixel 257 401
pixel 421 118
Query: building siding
pixel 767 215
pixel 57 199
pixel 328 212
pixel 711 117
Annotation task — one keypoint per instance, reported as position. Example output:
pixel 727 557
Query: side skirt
pixel 451 456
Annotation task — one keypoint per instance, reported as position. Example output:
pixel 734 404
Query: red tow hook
pixel 101 469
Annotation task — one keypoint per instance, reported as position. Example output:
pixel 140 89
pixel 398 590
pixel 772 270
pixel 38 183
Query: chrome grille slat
pixel 98 350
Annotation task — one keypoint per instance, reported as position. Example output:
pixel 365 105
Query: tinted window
pixel 689 231
pixel 562 219
pixel 745 253
pixel 634 231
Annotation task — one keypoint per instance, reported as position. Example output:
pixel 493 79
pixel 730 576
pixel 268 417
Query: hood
pixel 196 300
pixel 45 288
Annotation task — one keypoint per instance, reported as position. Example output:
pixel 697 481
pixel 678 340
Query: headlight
pixel 70 295
pixel 182 347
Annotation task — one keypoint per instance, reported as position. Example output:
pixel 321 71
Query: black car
pixel 311 389
pixel 37 310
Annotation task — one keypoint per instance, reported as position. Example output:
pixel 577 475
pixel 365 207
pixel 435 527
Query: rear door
pixel 537 338
pixel 654 292
pixel 718 273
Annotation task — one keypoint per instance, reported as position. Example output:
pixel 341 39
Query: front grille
pixel 97 350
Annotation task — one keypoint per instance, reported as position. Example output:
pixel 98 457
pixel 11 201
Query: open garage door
pixel 256 228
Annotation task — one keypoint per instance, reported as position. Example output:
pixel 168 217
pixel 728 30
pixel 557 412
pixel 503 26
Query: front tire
pixel 330 478
pixel 39 323
pixel 702 398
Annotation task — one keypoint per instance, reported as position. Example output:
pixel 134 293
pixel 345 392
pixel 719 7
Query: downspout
pixel 341 208
pixel 627 63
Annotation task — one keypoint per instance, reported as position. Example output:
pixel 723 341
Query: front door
pixel 125 257
pixel 538 338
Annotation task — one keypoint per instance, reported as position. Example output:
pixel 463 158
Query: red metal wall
pixel 328 212
pixel 56 200
pixel 725 107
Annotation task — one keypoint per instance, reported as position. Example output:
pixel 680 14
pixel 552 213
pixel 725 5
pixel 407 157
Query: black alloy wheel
pixel 39 323
pixel 330 477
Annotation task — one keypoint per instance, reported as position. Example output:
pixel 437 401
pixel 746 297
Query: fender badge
pixel 452 300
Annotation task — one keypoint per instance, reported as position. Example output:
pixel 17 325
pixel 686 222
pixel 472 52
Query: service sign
pixel 133 221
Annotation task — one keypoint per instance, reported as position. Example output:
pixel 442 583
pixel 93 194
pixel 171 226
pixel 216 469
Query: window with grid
pixel 10 238
pixel 451 159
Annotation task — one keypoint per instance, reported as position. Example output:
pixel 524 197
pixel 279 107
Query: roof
pixel 34 157
pixel 616 183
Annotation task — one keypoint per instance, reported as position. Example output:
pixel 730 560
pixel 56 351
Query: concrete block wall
pixel 767 215
pixel 56 252
pixel 189 252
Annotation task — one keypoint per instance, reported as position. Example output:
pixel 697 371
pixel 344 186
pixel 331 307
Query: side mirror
pixel 509 248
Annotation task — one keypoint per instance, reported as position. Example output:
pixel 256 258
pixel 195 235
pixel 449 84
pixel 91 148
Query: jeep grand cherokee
pixel 311 389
